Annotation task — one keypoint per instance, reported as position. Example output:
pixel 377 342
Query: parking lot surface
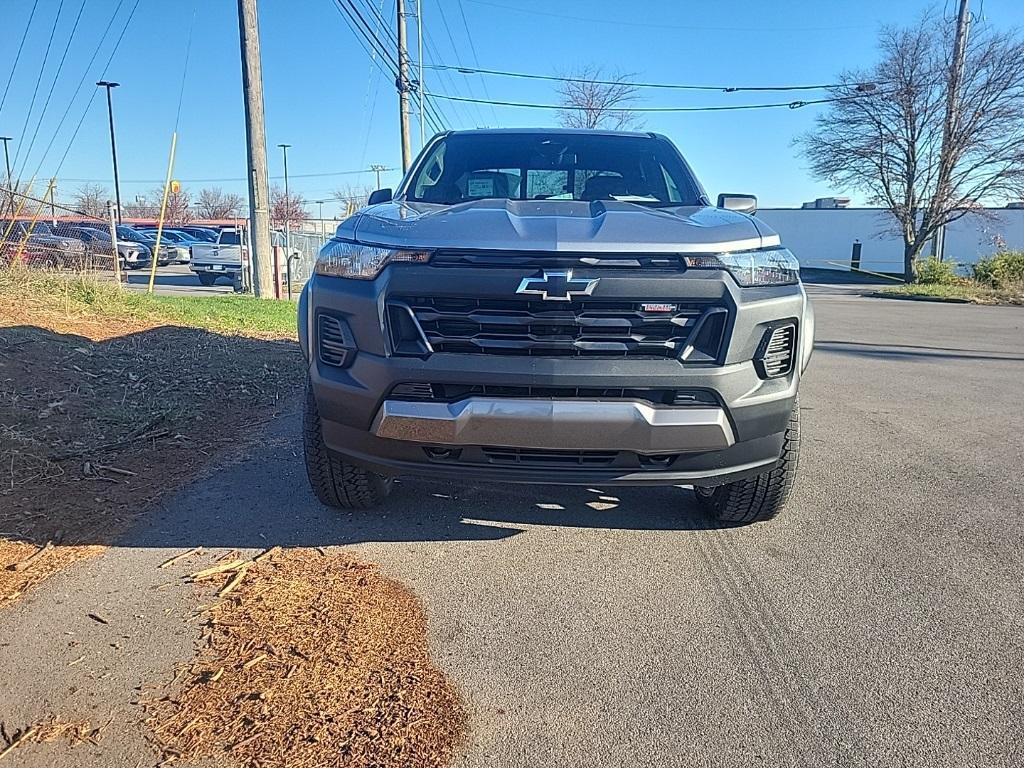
pixel 878 621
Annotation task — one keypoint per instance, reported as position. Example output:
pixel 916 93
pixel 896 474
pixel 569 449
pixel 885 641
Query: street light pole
pixel 7 162
pixel 287 204
pixel 323 233
pixel 113 144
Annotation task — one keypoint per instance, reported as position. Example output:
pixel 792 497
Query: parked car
pixel 43 248
pixel 204 234
pixel 168 253
pixel 132 255
pixel 180 241
pixel 565 307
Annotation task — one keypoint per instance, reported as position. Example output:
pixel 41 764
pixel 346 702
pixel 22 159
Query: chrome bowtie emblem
pixel 557 286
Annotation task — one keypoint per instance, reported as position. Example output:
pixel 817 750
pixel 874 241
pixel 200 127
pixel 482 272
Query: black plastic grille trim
pixel 587 328
pixel 454 392
pixel 777 352
pixel 334 341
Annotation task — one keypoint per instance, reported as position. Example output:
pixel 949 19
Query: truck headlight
pixel 342 258
pixel 769 266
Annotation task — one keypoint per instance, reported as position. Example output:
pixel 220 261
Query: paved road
pixel 879 622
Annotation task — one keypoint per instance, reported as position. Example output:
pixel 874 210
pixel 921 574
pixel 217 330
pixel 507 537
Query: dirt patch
pixel 311 660
pixel 99 418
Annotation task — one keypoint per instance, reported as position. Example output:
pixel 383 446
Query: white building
pixel 824 237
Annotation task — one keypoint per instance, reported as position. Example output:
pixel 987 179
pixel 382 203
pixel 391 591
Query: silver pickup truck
pixel 545 306
pixel 223 258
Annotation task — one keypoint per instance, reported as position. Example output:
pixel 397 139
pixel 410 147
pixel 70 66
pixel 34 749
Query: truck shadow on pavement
pixel 264 500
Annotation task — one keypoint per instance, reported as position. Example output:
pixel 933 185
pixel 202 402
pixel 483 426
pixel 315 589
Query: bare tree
pixel 592 100
pixel 286 209
pixel 353 198
pixel 178 206
pixel 886 139
pixel 215 203
pixel 91 199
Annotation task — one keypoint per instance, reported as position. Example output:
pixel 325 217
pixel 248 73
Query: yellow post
pixel 21 205
pixel 163 211
pixel 35 218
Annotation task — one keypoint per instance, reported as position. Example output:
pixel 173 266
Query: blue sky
pixel 339 112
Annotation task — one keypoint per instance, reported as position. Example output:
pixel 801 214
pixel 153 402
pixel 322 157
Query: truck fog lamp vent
pixel 335 343
pixel 776 354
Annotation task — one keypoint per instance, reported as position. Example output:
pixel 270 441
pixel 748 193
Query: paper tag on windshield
pixel 480 188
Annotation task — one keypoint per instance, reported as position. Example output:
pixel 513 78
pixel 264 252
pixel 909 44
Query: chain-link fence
pixel 304 249
pixel 38 233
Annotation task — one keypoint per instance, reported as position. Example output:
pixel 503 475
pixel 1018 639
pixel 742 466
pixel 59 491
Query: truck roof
pixel 551 131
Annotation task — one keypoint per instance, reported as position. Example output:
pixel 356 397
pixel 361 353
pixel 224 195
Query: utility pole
pixel 403 86
pixel 7 162
pixel 419 62
pixel 260 257
pixel 377 169
pixel 956 77
pixel 113 145
pixel 53 204
pixel 287 204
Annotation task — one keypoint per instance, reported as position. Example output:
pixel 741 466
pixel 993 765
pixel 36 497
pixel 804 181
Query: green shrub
pixel 1003 270
pixel 936 272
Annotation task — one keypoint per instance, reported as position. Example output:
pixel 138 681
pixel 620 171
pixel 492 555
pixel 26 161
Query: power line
pixel 78 88
pixel 92 96
pixel 369 39
pixel 49 95
pixel 724 108
pixel 660 25
pixel 673 86
pixel 435 117
pixel 17 56
pixel 476 59
pixel 39 80
pixel 481 120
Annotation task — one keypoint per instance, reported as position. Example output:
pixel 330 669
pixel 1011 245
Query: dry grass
pixel 311 660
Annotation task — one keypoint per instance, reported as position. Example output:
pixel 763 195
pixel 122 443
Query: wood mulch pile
pixel 309 659
pixel 98 420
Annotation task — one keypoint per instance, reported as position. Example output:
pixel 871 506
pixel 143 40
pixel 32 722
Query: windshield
pixel 555 166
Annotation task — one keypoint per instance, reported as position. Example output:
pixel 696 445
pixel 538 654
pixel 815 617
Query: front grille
pixel 541 457
pixel 777 352
pixel 587 328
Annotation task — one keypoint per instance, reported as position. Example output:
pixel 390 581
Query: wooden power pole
pixel 949 139
pixel 260 254
pixel 403 86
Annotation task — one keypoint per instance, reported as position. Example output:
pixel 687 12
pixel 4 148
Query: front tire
pixel 336 482
pixel 763 496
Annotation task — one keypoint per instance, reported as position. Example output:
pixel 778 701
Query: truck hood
pixel 609 226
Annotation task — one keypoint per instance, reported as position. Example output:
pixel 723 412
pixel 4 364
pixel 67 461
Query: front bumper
pixel 579 440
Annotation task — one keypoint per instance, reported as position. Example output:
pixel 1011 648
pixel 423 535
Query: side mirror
pixel 380 196
pixel 740 203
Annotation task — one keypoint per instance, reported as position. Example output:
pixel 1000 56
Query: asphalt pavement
pixel 878 622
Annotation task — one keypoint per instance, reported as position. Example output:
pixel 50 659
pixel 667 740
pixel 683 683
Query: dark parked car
pixel 42 248
pixel 132 255
pixel 563 307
